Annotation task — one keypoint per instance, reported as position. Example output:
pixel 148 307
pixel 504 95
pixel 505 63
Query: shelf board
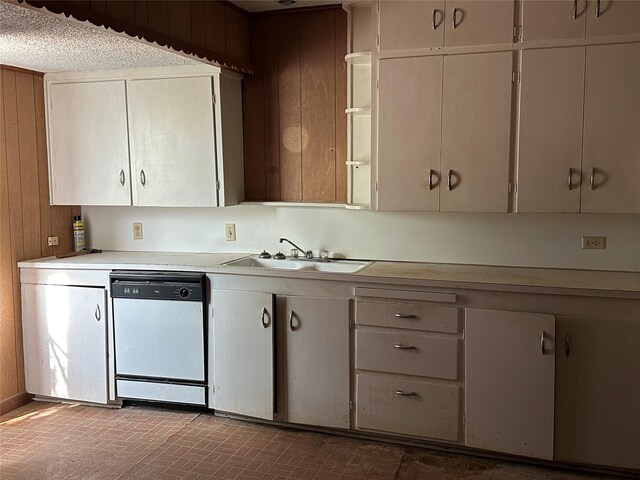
pixel 358 58
pixel 358 111
pixel 355 163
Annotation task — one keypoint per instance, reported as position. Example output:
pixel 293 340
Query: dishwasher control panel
pixel 179 286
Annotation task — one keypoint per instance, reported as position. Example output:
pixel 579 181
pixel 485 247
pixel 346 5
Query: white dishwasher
pixel 160 329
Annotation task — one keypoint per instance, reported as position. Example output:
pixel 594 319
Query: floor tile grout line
pixel 404 454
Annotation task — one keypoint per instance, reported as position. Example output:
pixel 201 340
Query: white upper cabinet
pixel 476 131
pixel 553 19
pixel 148 137
pixel 478 22
pixel 411 24
pixel 611 158
pixel 613 17
pixel 550 130
pixel 171 132
pixel 409 133
pixel 87 141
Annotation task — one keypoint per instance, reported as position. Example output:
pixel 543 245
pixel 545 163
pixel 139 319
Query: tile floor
pixel 54 441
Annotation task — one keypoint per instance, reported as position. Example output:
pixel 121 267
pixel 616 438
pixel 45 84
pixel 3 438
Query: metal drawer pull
pixel 291 321
pixel 597 8
pixel 567 345
pixel 143 178
pixel 592 179
pixel 97 313
pixel 433 19
pixel 569 184
pixel 543 346
pixel 404 347
pixel 430 179
pixel 265 323
pixel 575 9
pixel 122 177
pixel 455 18
pixel 402 393
pixel 404 315
pixel 449 179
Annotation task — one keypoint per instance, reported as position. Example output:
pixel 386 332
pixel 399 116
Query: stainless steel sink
pixel 333 266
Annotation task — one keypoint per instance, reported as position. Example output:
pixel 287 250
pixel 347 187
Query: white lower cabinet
pixel 510 363
pixel 258 335
pixel 65 341
pixel 597 417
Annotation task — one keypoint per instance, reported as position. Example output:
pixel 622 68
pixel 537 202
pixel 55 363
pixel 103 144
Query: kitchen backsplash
pixel 537 240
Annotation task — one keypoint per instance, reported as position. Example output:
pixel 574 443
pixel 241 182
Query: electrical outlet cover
pixel 594 243
pixel 137 230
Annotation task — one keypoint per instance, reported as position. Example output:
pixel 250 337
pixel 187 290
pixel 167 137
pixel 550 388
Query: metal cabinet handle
pixel 449 179
pixel 265 323
pixel 401 346
pixel 293 329
pixel 567 345
pixel 404 315
pixel 575 9
pixel 433 19
pixel 143 178
pixel 122 177
pixel 569 184
pixel 403 393
pixel 430 179
pixel 455 18
pixel 592 179
pixel 543 346
pixel 97 313
pixel 597 8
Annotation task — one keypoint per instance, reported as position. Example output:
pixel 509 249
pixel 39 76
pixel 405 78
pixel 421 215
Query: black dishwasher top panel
pixel 180 286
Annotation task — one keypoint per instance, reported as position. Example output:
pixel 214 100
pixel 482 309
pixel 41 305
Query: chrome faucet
pixel 307 253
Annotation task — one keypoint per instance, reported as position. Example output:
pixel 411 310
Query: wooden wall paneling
pixel 157 19
pixel 8 372
pixel 43 168
pixel 237 34
pixel 122 10
pixel 25 99
pixel 141 18
pixel 289 108
pixel 209 25
pixel 198 24
pixel 341 104
pixel 99 5
pixel 317 78
pixel 269 61
pixel 179 13
pixel 220 28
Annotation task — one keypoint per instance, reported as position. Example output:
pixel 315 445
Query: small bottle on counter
pixel 78 233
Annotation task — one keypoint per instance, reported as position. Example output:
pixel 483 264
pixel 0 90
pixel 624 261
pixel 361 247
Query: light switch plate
pixel 230 232
pixel 137 230
pixel 594 243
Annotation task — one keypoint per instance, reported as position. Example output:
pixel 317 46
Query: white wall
pixel 539 240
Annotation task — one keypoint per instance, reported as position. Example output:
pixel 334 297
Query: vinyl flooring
pixel 59 441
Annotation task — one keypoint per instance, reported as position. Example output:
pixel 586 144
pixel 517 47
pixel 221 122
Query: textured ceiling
pixel 44 43
pixel 264 5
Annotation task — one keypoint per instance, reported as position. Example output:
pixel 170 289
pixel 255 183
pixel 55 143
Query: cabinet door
pixel 410 96
pixel 172 142
pixel 478 22
pixel 476 131
pixel 65 341
pixel 411 24
pixel 510 382
pixel 317 361
pixel 613 17
pixel 243 337
pixel 611 161
pixel 550 130
pixel 597 391
pixel 88 143
pixel 553 19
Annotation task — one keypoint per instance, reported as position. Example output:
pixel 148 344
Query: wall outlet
pixel 230 232
pixel 594 243
pixel 137 230
pixel 52 241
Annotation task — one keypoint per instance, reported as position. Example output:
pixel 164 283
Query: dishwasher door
pixel 159 339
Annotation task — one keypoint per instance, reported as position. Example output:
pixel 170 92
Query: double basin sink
pixel 333 266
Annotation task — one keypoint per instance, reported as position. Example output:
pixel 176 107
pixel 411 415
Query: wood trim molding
pixel 293 11
pixel 11 403
pixel 20 70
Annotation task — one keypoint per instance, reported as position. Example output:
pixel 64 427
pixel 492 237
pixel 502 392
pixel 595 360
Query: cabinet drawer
pixel 415 316
pixel 416 354
pixel 425 410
